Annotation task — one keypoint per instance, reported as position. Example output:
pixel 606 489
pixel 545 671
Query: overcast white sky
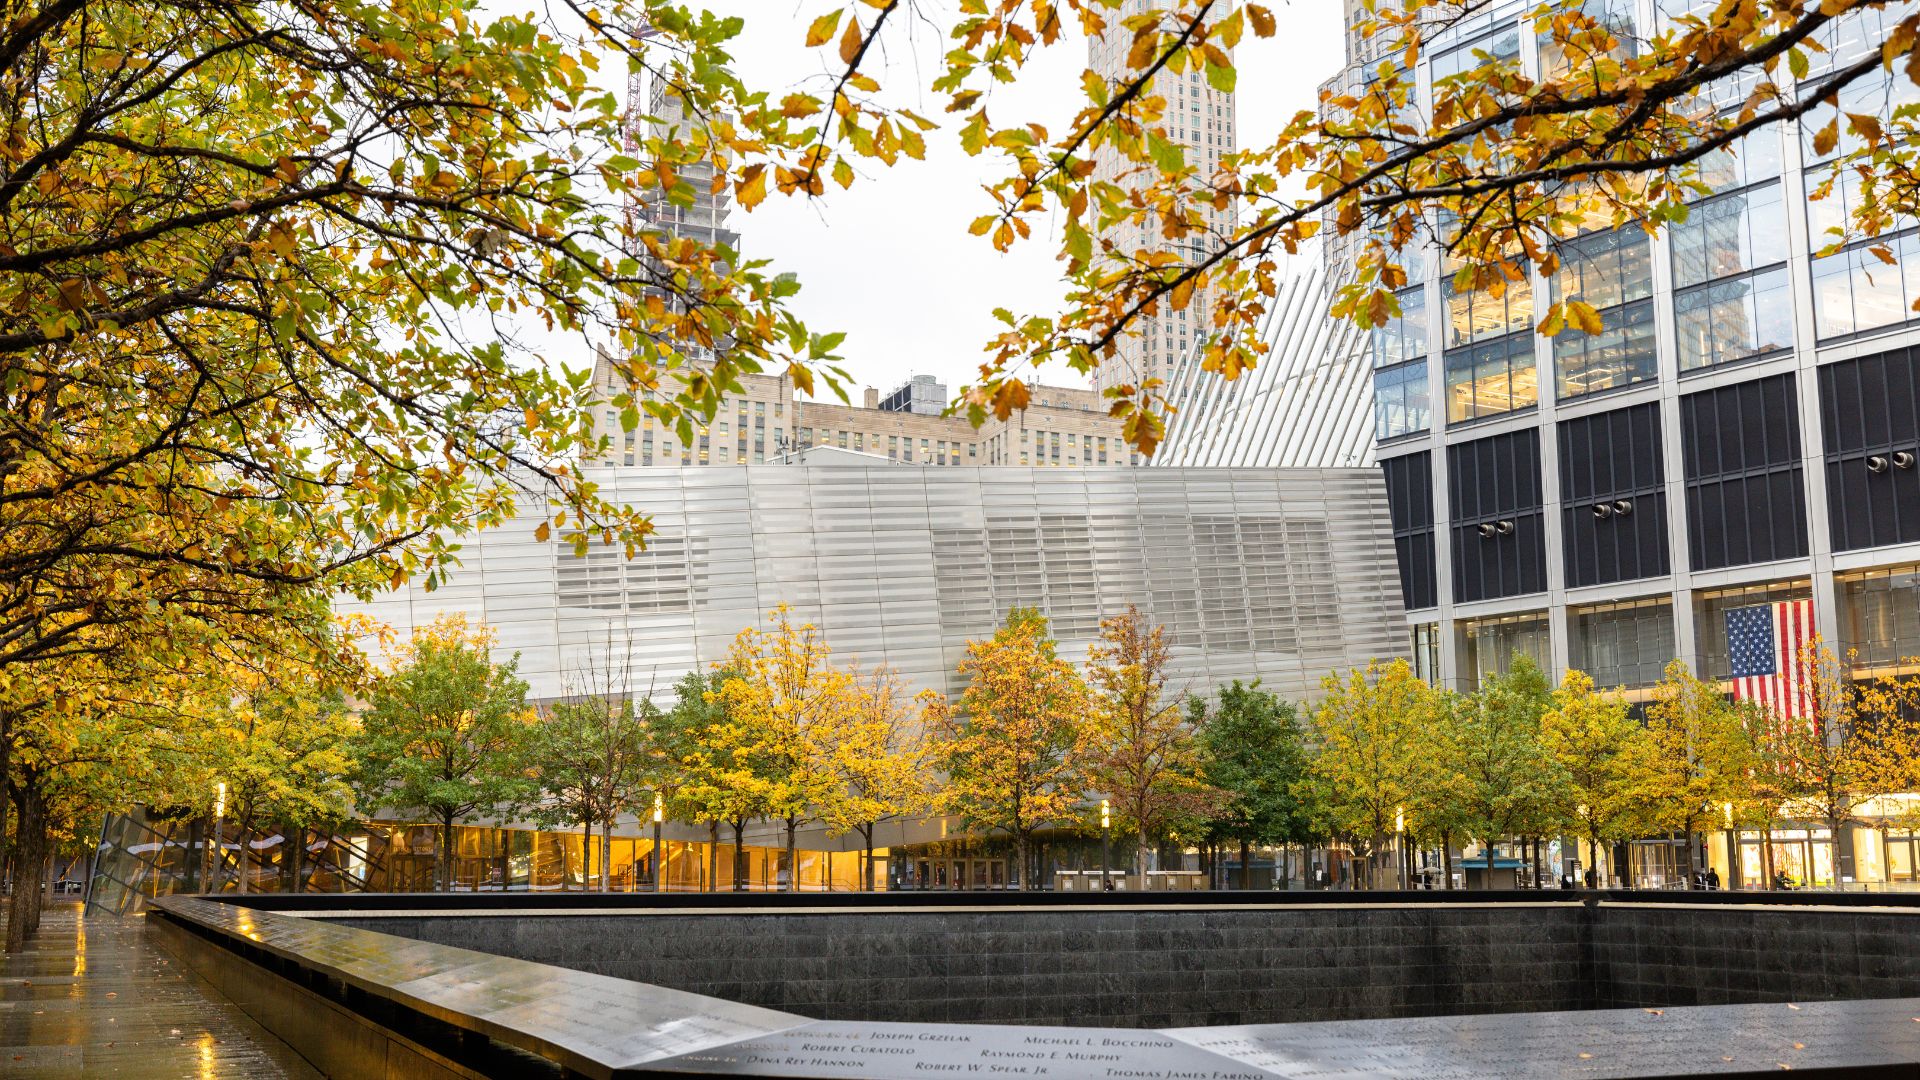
pixel 890 262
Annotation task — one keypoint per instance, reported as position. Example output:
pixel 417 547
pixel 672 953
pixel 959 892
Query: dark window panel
pixel 1607 458
pixel 1746 494
pixel 1870 409
pixel 1493 480
pixel 1410 498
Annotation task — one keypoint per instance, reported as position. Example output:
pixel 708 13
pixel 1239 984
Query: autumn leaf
pixel 820 31
pixel 850 42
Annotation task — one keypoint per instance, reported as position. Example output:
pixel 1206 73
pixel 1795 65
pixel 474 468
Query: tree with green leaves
pixel 723 763
pixel 1507 786
pixel 446 733
pixel 1591 742
pixel 1438 807
pixel 1253 754
pixel 284 753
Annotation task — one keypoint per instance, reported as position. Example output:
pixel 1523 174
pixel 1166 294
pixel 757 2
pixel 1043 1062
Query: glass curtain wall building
pixel 1743 431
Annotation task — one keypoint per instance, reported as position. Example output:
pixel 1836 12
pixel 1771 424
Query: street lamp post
pixel 1106 843
pixel 659 813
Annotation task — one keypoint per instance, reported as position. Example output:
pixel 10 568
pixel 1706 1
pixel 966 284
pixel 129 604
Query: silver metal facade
pixel 1308 404
pixel 1279 575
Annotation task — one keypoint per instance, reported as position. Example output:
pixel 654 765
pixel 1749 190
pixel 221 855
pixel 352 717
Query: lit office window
pixel 1621 354
pixel 1479 315
pixel 1613 272
pixel 1491 377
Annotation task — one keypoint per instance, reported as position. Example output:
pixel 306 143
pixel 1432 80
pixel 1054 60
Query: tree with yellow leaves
pixel 1367 751
pixel 1141 750
pixel 877 755
pixel 1697 756
pixel 1591 742
pixel 1013 747
pixel 283 754
pixel 785 702
pixel 1857 742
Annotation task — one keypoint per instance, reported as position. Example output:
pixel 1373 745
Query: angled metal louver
pixel 1309 403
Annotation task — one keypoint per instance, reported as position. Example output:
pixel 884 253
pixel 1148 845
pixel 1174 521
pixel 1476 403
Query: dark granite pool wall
pixel 1653 955
pixel 1126 968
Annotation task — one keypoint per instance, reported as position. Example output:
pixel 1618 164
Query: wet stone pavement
pixel 98 997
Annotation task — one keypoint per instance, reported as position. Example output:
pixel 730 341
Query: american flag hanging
pixel 1764 643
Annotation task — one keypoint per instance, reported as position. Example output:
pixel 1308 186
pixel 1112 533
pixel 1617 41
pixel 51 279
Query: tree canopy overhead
pixel 270 269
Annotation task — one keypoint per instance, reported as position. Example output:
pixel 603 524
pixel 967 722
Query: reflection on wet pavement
pixel 98 997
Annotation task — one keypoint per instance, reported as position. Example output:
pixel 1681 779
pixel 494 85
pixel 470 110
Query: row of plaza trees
pixel 1520 758
pixel 1034 743
pixel 779 733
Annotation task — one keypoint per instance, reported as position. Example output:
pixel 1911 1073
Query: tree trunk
pixel 866 834
pixel 242 847
pixel 713 856
pixel 30 856
pixel 1488 884
pixel 1020 854
pixel 606 856
pixel 443 863
pixel 1140 860
pixel 739 856
pixel 1446 858
pixel 7 845
pixel 1766 854
pixel 793 857
pixel 1246 863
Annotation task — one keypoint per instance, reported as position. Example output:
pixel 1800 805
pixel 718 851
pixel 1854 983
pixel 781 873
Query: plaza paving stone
pixel 95 996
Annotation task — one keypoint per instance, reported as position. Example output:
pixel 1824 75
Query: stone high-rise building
pixel 1202 120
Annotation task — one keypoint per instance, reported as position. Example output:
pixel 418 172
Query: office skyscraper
pixel 1202 120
